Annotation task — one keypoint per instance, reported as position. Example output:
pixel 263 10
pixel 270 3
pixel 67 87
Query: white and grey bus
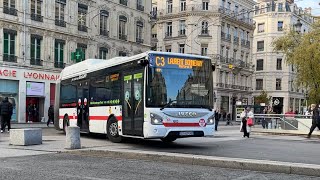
pixel 150 95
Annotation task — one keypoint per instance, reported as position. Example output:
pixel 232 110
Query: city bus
pixel 153 95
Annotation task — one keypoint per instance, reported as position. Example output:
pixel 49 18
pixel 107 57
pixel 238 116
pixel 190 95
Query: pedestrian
pixel 315 119
pixel 217 119
pixel 245 116
pixel 229 119
pixel 6 111
pixel 50 115
pixel 264 120
pixel 30 113
pixel 35 113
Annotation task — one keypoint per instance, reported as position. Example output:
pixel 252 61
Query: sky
pixel 314 4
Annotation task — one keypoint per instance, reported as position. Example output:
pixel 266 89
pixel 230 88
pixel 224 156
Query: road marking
pixel 83 177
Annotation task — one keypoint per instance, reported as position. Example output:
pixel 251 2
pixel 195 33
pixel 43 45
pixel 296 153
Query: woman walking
pixel 246 116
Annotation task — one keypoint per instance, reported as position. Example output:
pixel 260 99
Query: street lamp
pixel 298 26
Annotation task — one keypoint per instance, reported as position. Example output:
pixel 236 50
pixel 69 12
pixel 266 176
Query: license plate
pixel 187 133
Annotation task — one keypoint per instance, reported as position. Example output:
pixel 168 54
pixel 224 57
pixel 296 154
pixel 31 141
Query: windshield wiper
pixel 167 104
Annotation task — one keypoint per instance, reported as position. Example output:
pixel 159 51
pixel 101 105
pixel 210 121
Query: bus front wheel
pixel 168 139
pixel 112 131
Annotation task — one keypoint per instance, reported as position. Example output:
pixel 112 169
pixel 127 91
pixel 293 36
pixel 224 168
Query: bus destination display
pixel 174 62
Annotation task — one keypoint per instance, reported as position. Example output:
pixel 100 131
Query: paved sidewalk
pixel 256 130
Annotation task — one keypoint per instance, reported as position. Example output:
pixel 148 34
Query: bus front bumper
pixel 159 131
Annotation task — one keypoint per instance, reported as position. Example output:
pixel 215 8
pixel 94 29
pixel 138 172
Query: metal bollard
pixel 73 138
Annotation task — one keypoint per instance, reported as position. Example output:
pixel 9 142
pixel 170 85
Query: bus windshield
pixel 179 82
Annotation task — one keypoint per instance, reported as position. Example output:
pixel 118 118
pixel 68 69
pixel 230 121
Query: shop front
pixel 30 91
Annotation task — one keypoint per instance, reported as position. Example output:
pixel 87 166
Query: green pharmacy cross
pixel 78 56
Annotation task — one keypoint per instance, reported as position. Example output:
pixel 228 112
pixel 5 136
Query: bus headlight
pixel 210 120
pixel 156 119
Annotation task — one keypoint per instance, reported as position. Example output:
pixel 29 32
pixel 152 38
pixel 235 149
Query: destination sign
pixel 177 62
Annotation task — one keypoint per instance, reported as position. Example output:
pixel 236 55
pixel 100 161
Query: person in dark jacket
pixel 6 110
pixel 50 115
pixel 315 118
pixel 216 119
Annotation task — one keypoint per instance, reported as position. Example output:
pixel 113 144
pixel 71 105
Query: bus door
pixel 132 111
pixel 83 106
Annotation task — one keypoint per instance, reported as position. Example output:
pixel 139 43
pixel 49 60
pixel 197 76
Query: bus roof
pixel 91 65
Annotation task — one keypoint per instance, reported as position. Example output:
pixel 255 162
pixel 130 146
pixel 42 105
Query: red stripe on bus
pixel 95 118
pixel 181 124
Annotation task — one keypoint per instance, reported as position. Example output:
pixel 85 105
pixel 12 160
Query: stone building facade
pixel 222 30
pixel 272 74
pixel 38 37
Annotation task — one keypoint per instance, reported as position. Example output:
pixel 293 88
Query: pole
pixel 24 31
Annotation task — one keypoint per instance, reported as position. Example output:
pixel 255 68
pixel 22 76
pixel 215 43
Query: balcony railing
pixel 59 65
pixel 248 89
pixel 243 42
pixel 10 10
pixel 59 22
pixel 139 40
pixel 205 32
pixel 123 37
pixel 168 35
pixel 104 32
pixel 199 9
pixel 124 2
pixel 236 62
pixel 221 85
pixel 228 86
pixel 83 28
pixel 182 32
pixel 140 7
pixel 10 58
pixel 37 17
pixel 223 36
pixel 36 62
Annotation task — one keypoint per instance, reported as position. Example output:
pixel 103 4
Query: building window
pixel 205 28
pixel 288 7
pixel 280 25
pixel 168 48
pixel 234 54
pixel 222 51
pixel 124 2
pixel 181 48
pixel 36 50
pixel 260 46
pixel 205 5
pixel 256 10
pixel 122 54
pixel 183 5
pixel 268 7
pixel 182 26
pixel 280 7
pixel 169 29
pixel 36 10
pixel 139 32
pixel 226 78
pixel 221 77
pixel 103 53
pixel 9 46
pixel 259 84
pixel 204 49
pixel 169 6
pixel 279 64
pixel 122 28
pixel 262 9
pixel 9 7
pixel 82 17
pixel 58 53
pixel 259 65
pixel 140 6
pixel 260 27
pixel 104 23
pixel 59 13
pixel 278 84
